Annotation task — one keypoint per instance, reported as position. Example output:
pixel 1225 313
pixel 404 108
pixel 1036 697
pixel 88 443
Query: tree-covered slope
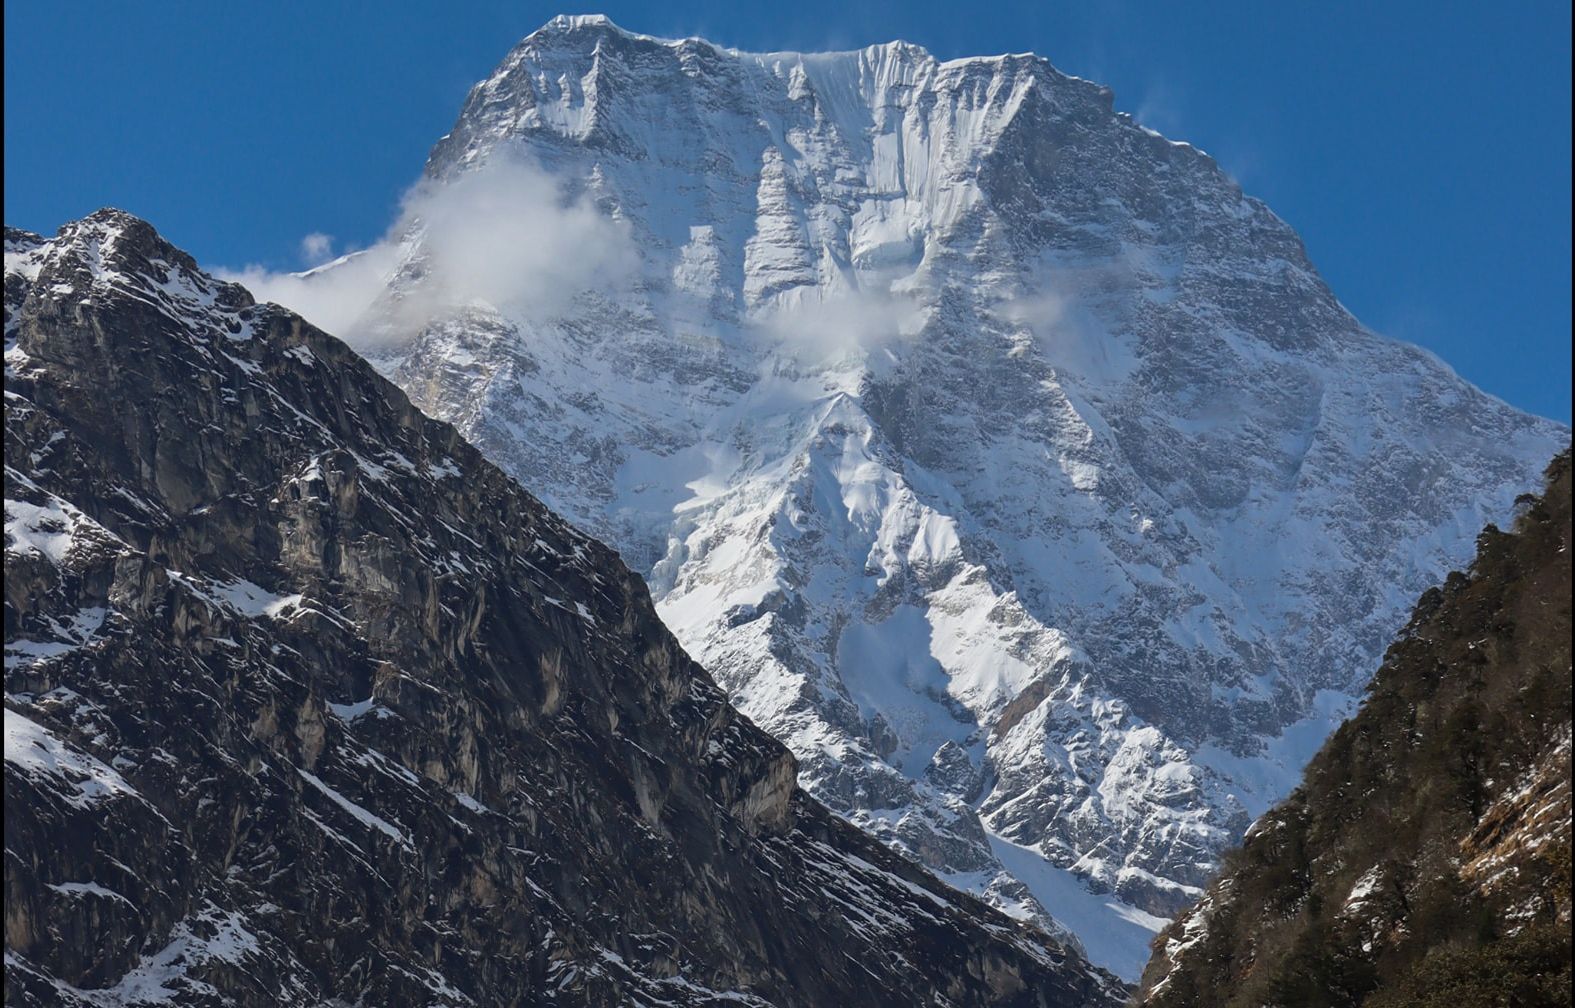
pixel 1425 860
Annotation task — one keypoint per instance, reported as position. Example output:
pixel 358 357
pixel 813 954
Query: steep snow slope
pixel 996 453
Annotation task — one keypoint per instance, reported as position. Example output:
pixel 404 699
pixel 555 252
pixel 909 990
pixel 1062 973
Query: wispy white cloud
pixel 332 297
pixel 819 325
pixel 1159 108
pixel 317 248
pixel 504 234
pixel 1056 309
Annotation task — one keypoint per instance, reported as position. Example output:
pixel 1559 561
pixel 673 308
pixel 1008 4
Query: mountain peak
pixel 587 80
pixel 113 228
pixel 111 237
pixel 111 250
pixel 570 24
pixel 600 25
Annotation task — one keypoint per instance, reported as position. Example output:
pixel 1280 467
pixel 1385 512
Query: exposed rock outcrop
pixel 307 703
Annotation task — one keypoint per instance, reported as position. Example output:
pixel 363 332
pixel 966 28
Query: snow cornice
pixel 565 24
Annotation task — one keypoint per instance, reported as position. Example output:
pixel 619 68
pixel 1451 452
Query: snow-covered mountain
pixel 997 454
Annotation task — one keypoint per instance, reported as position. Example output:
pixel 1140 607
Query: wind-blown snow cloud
pixel 317 248
pixel 1053 309
pixel 818 325
pixel 504 234
pixel 331 297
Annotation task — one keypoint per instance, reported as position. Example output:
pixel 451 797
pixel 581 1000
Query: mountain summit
pixel 997 454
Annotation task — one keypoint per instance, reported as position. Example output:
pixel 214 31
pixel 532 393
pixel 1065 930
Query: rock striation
pixel 308 703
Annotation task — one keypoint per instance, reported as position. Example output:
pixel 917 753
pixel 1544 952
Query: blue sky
pixel 1421 149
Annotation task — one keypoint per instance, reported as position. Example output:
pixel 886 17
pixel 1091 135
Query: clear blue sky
pixel 1422 149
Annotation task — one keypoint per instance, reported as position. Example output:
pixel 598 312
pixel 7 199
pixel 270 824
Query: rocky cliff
pixel 1425 859
pixel 307 703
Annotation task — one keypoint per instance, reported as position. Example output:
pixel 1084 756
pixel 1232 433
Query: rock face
pixel 998 455
pixel 1425 860
pixel 307 703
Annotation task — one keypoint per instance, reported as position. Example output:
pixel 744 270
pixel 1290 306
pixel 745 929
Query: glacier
pixel 999 455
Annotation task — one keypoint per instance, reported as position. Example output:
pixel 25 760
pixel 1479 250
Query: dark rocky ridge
pixel 308 703
pixel 1425 860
